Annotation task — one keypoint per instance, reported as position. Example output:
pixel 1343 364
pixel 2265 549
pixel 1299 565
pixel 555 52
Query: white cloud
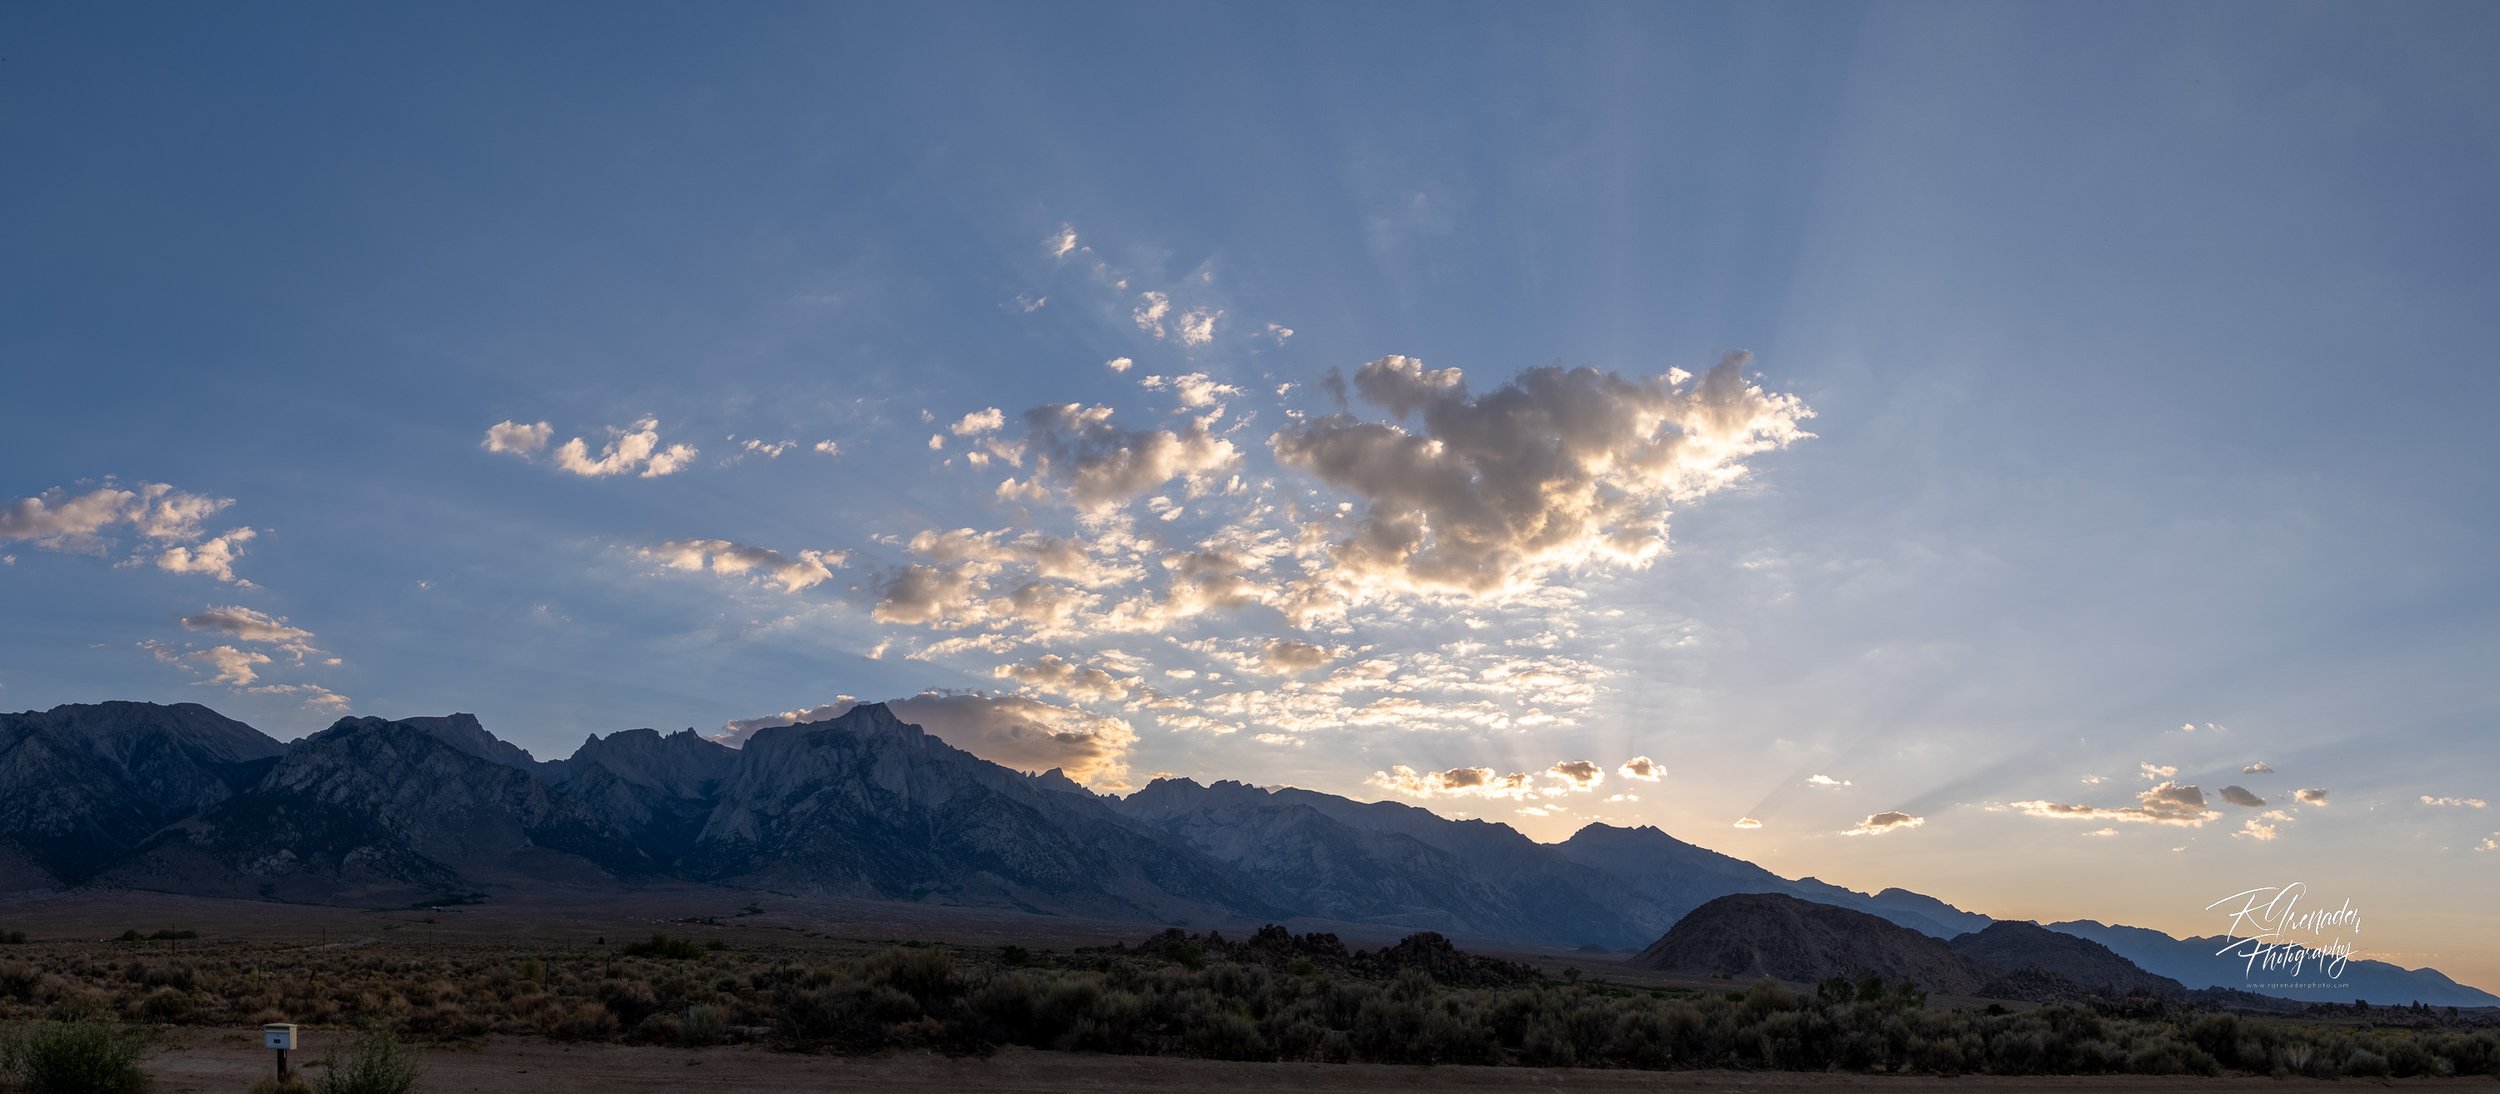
pixel 2256 829
pixel 635 450
pixel 518 439
pixel 2165 803
pixel 1198 327
pixel 2158 772
pixel 1877 824
pixel 167 519
pixel 2490 843
pixel 2258 768
pixel 790 573
pixel 978 422
pixel 226 664
pixel 1567 777
pixel 828 448
pixel 1279 333
pixel 1151 309
pixel 1642 768
pixel 214 556
pixel 2454 803
pixel 1827 782
pixel 314 695
pixel 1119 364
pixel 1748 823
pixel 1062 242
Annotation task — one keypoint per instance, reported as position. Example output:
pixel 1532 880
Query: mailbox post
pixel 281 1037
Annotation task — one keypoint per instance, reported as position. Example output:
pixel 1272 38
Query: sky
pixel 2028 454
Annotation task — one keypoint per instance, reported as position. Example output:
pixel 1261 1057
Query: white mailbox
pixel 278 1035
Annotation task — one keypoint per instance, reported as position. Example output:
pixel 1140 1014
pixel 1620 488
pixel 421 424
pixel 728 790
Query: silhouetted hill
pixel 1753 935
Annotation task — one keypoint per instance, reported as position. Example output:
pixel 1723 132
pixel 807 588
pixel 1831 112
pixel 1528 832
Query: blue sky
pixel 2144 348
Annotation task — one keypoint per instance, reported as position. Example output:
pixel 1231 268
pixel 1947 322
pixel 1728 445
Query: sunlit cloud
pixel 2314 795
pixel 1748 823
pixel 2454 803
pixel 635 450
pixel 1879 823
pixel 789 573
pixel 169 523
pixel 247 625
pixel 1559 469
pixel 2166 803
pixel 1642 768
pixel 1827 782
pixel 2258 768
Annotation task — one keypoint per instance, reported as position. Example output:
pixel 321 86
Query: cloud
pixel 2314 795
pixel 214 556
pixel 1557 470
pixel 1010 730
pixel 1062 242
pixel 1827 782
pixel 1081 456
pixel 1578 775
pixel 2103 833
pixel 790 573
pixel 165 518
pixel 770 450
pixel 1457 782
pixel 636 450
pixel 246 625
pixel 978 422
pixel 2490 843
pixel 924 595
pixel 2165 803
pixel 2454 803
pixel 1285 655
pixel 1059 676
pixel 1198 327
pixel 1151 308
pixel 2256 829
pixel 514 438
pixel 2158 772
pixel 226 664
pixel 1567 777
pixel 1879 823
pixel 1196 390
pixel 314 695
pixel 1642 768
pixel 829 448
pixel 2240 796
pixel 1279 333
pixel 1119 364
pixel 1748 823
pixel 2095 780
pixel 2258 768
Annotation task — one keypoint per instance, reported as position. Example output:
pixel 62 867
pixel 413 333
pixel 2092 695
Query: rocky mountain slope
pixel 179 798
pixel 2203 963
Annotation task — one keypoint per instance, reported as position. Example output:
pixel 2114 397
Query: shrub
pixel 76 1058
pixel 662 946
pixel 12 938
pixel 377 1063
pixel 703 1024
pixel 292 1084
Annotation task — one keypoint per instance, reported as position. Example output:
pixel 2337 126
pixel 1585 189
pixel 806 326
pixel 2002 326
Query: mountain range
pixel 382 812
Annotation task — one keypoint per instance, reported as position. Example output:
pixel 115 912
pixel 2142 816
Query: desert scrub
pixel 75 1058
pixel 377 1063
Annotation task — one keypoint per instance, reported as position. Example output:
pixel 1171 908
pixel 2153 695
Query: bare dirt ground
pixel 199 1061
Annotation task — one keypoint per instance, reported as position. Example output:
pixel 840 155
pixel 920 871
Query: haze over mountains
pixel 386 813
